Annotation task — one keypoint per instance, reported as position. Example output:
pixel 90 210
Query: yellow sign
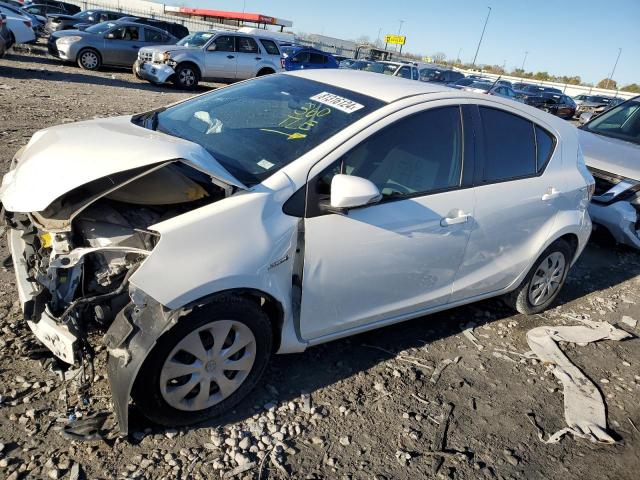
pixel 395 39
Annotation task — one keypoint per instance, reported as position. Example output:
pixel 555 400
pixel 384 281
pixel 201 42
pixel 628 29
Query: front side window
pixel 316 58
pixel 255 128
pixel 418 154
pixel 302 57
pixel 247 45
pixel 509 146
pixel 224 43
pixel 129 33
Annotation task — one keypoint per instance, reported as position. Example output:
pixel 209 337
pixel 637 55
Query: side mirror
pixel 585 117
pixel 348 191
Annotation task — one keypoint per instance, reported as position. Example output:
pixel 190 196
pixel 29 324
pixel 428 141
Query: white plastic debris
pixel 584 409
pixel 467 331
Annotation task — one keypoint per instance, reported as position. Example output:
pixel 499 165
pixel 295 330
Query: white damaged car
pixel 280 213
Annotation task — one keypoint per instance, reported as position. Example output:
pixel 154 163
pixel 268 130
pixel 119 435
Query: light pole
pixel 524 60
pixel 481 36
pixel 614 67
pixel 399 30
pixel 458 57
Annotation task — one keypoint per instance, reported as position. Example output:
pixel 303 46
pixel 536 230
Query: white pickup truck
pixel 215 56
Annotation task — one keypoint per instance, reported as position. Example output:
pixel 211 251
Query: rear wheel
pixel 186 76
pixel 89 59
pixel 544 281
pixel 206 364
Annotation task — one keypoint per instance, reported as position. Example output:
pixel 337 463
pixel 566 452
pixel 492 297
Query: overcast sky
pixel 563 37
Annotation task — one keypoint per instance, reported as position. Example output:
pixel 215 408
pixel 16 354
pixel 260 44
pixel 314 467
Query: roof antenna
pixel 494 83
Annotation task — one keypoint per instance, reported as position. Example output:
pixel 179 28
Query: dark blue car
pixel 303 58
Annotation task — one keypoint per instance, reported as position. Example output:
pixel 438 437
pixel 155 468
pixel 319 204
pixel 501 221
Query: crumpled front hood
pixel 59 159
pixel 169 48
pixel 610 154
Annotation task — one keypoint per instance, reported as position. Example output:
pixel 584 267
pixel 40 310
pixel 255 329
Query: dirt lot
pixel 365 407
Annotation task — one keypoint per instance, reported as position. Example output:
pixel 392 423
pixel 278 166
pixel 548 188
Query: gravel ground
pixel 365 407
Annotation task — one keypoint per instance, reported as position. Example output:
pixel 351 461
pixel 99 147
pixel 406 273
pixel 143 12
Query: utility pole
pixel 458 59
pixel 379 33
pixel 524 60
pixel 614 68
pixel 481 36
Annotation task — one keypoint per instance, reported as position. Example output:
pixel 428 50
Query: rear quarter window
pixel 270 47
pixel 545 144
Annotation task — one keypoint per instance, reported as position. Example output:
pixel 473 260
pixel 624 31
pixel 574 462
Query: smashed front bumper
pixel 55 336
pixel 154 72
pixel 620 218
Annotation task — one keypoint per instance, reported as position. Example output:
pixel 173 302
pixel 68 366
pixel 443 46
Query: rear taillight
pixel 282 62
pixel 27 23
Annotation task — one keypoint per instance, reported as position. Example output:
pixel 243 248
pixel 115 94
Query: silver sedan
pixel 107 43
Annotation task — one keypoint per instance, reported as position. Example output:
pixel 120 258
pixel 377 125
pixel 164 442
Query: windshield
pixel 360 65
pixel 100 28
pixel 195 40
pixel 596 99
pixel 465 81
pixel 621 122
pixel 255 128
pixel 385 68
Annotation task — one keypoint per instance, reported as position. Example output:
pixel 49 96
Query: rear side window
pixel 247 45
pixel 509 146
pixel 545 143
pixel 270 47
pixel 153 36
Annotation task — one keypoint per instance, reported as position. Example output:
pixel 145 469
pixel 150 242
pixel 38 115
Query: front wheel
pixel 89 59
pixel 186 77
pixel 135 68
pixel 206 364
pixel 544 281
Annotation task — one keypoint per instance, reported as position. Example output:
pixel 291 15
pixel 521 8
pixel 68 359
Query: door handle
pixel 258 58
pixel 230 56
pixel 135 46
pixel 551 194
pixel 454 217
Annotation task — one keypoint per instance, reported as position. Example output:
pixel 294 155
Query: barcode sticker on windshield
pixel 336 101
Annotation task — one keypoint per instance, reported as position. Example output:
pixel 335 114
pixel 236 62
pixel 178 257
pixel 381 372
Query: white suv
pixel 280 213
pixel 209 56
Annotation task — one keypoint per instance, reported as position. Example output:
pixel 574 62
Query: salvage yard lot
pixel 366 407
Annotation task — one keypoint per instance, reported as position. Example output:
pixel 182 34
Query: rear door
pixel 518 184
pixel 220 58
pixel 248 55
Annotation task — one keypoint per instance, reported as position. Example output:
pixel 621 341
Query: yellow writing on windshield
pixel 299 123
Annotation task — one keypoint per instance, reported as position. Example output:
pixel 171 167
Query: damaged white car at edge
pixel 281 213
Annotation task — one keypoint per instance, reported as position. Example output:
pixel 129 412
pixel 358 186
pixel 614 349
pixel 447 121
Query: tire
pixel 167 400
pixel 186 77
pixel 12 40
pixel 89 59
pixel 134 69
pixel 523 299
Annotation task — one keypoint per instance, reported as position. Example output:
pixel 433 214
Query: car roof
pixel 382 87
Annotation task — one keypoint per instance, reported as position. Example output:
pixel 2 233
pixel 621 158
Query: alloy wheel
pixel 187 77
pixel 208 365
pixel 547 279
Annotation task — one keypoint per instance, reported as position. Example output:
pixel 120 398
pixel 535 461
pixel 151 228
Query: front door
pixel 398 256
pixel 121 45
pixel 517 193
pixel 220 58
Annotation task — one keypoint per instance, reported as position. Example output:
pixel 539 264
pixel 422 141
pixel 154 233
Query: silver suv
pixel 209 56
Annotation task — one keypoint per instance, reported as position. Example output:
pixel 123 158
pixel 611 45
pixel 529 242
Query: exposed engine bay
pixel 80 252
